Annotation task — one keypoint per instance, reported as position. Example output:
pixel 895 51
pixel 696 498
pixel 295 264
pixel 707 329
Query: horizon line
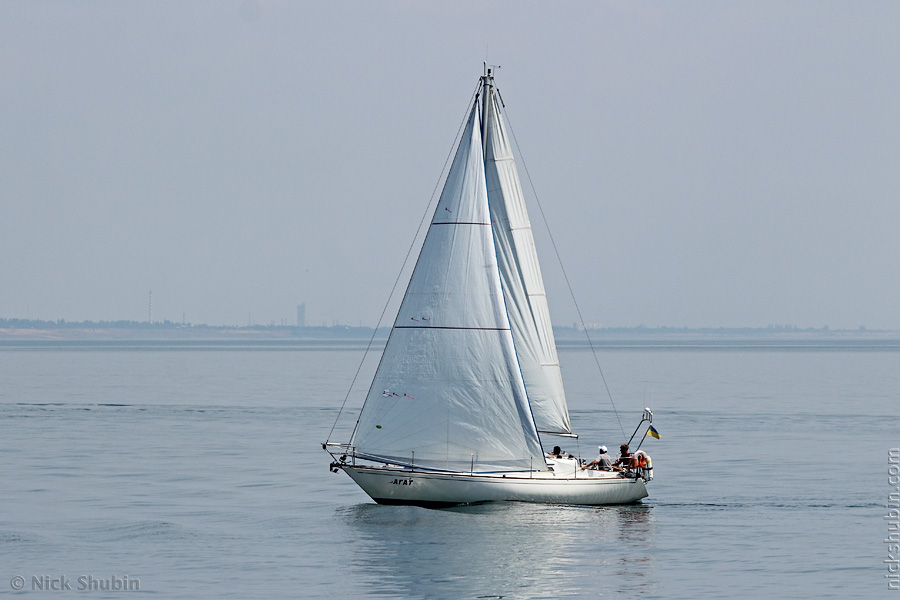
pixel 19 323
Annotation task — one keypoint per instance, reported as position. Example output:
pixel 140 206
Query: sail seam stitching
pixel 458 223
pixel 462 328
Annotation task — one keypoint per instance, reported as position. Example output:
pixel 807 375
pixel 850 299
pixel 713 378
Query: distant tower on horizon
pixel 150 313
pixel 301 315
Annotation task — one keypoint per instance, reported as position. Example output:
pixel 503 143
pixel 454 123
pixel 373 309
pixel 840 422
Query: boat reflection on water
pixel 501 550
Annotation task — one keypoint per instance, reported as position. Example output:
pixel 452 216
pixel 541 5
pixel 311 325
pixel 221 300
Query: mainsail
pixel 449 392
pixel 523 285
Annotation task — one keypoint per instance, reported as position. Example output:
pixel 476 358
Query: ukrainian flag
pixel 652 431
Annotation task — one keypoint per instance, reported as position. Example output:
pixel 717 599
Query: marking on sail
pixel 390 394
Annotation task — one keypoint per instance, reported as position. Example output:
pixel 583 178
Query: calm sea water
pixel 199 473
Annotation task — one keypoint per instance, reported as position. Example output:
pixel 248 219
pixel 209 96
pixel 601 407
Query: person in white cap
pixel 603 461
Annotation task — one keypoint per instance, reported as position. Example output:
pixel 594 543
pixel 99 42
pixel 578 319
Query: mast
pixel 487 91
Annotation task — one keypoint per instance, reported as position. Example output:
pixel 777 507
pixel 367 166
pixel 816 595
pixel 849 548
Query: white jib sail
pixel 523 284
pixel 448 393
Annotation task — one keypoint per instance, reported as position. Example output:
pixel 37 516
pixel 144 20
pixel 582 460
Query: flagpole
pixel 642 439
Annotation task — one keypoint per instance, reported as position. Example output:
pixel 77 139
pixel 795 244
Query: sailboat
pixel 469 381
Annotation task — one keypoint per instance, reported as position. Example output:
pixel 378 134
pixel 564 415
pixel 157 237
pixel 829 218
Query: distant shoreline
pixel 147 336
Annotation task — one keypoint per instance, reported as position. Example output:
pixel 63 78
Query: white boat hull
pixel 388 485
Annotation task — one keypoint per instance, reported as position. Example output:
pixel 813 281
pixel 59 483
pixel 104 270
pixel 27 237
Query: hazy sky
pixel 700 163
